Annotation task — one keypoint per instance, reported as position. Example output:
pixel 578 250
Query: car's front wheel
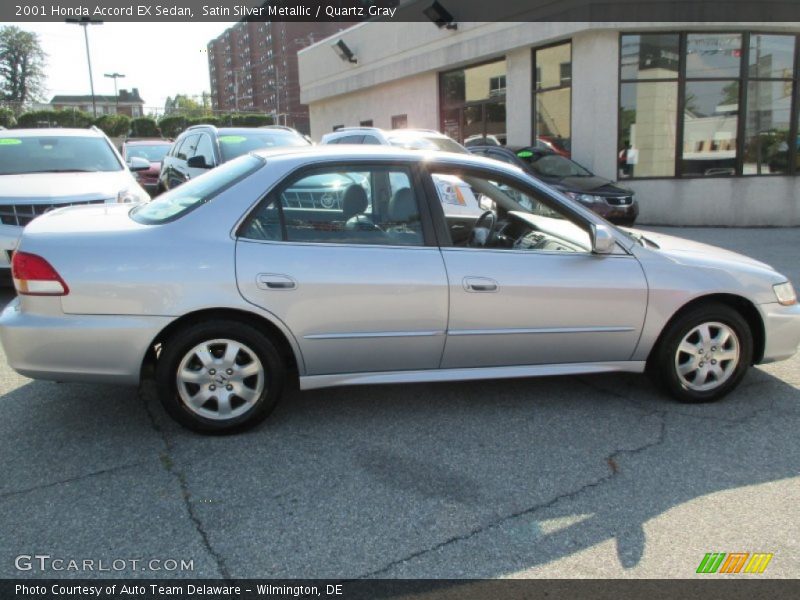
pixel 219 376
pixel 703 354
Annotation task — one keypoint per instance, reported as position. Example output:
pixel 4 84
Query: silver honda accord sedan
pixel 346 266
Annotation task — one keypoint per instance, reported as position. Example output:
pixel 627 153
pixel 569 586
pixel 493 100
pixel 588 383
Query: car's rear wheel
pixel 703 354
pixel 219 377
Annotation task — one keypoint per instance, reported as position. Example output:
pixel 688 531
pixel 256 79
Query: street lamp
pixel 83 22
pixel 115 76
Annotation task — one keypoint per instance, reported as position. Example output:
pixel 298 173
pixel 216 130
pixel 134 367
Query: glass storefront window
pixel 648 115
pixel 710 123
pixel 553 116
pixel 767 125
pixel 473 101
pixel 713 54
pixel 553 64
pixel 650 56
pixel 771 56
pixel 552 98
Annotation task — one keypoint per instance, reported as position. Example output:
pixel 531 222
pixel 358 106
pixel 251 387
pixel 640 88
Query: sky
pixel 161 59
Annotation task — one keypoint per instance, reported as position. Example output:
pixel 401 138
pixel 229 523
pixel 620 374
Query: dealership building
pixel 700 119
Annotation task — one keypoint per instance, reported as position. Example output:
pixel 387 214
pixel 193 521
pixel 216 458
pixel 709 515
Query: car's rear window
pixel 56 154
pixel 232 145
pixel 195 192
pixel 151 152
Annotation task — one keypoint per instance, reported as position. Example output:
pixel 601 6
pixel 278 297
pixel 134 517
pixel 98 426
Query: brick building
pixel 126 103
pixel 253 68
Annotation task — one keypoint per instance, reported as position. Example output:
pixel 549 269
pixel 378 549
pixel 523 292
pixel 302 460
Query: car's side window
pixel 205 149
pixel 363 205
pixel 187 148
pixel 505 215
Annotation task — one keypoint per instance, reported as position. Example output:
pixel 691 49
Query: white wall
pixel 595 60
pixel 739 201
pixel 417 97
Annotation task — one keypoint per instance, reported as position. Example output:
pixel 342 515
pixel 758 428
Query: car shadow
pixel 427 480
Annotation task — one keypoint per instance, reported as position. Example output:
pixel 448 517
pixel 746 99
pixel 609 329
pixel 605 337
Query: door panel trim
pixel 312 382
pixel 371 334
pixel 541 330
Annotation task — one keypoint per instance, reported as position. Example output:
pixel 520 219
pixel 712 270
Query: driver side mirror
pixel 138 164
pixel 603 241
pixel 198 162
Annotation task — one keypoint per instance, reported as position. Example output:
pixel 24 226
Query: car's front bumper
pixel 782 331
pixel 9 238
pixel 61 347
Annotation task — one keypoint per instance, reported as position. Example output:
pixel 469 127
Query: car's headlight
pixel 129 196
pixel 585 198
pixel 785 294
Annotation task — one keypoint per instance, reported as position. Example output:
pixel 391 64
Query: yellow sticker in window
pixel 232 139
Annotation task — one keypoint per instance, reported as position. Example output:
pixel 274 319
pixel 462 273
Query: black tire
pixel 255 346
pixel 663 364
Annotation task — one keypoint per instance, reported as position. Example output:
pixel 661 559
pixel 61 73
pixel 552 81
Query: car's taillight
pixel 34 276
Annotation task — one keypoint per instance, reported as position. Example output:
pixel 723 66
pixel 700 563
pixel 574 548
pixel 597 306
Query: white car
pixel 45 169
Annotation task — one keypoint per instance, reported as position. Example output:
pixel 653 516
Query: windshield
pixel 235 144
pixel 552 165
pixel 56 154
pixel 153 153
pixel 195 192
pixel 427 143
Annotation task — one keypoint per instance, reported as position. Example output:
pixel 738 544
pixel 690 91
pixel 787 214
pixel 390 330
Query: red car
pixel 152 150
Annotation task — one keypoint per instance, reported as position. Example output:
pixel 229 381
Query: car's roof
pixel 148 142
pixel 52 132
pixel 307 154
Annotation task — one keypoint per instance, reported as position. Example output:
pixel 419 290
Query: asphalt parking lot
pixel 596 476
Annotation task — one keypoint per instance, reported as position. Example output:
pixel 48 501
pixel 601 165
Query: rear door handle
pixel 270 281
pixel 480 284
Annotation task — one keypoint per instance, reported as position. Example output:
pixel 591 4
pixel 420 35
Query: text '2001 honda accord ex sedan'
pixel 345 266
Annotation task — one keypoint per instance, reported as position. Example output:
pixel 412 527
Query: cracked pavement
pixel 596 476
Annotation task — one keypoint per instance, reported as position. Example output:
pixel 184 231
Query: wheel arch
pixel 740 304
pixel 275 333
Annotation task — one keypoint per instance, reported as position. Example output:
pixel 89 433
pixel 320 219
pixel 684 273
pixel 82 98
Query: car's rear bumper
pixel 782 329
pixel 93 348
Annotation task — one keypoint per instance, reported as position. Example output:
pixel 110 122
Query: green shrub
pixel 114 125
pixel 144 127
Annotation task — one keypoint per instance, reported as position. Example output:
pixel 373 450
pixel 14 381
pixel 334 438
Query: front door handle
pixel 271 281
pixel 480 284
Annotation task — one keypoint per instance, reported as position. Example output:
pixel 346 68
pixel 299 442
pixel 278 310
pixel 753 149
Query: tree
pixel 22 63
pixel 186 106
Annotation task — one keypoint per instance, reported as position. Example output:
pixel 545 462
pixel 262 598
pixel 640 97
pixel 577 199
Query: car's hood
pixel 62 187
pixel 688 251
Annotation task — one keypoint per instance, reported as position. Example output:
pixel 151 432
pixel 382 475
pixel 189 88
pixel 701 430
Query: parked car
pixel 44 169
pixel 151 150
pixel 603 196
pixel 411 139
pixel 255 288
pixel 203 147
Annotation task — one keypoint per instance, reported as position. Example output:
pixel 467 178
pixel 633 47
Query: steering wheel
pixel 487 221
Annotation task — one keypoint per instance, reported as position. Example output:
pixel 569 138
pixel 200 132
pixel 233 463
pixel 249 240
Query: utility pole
pixel 84 22
pixel 115 76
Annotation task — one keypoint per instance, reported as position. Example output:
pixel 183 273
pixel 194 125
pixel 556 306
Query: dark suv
pixel 203 147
